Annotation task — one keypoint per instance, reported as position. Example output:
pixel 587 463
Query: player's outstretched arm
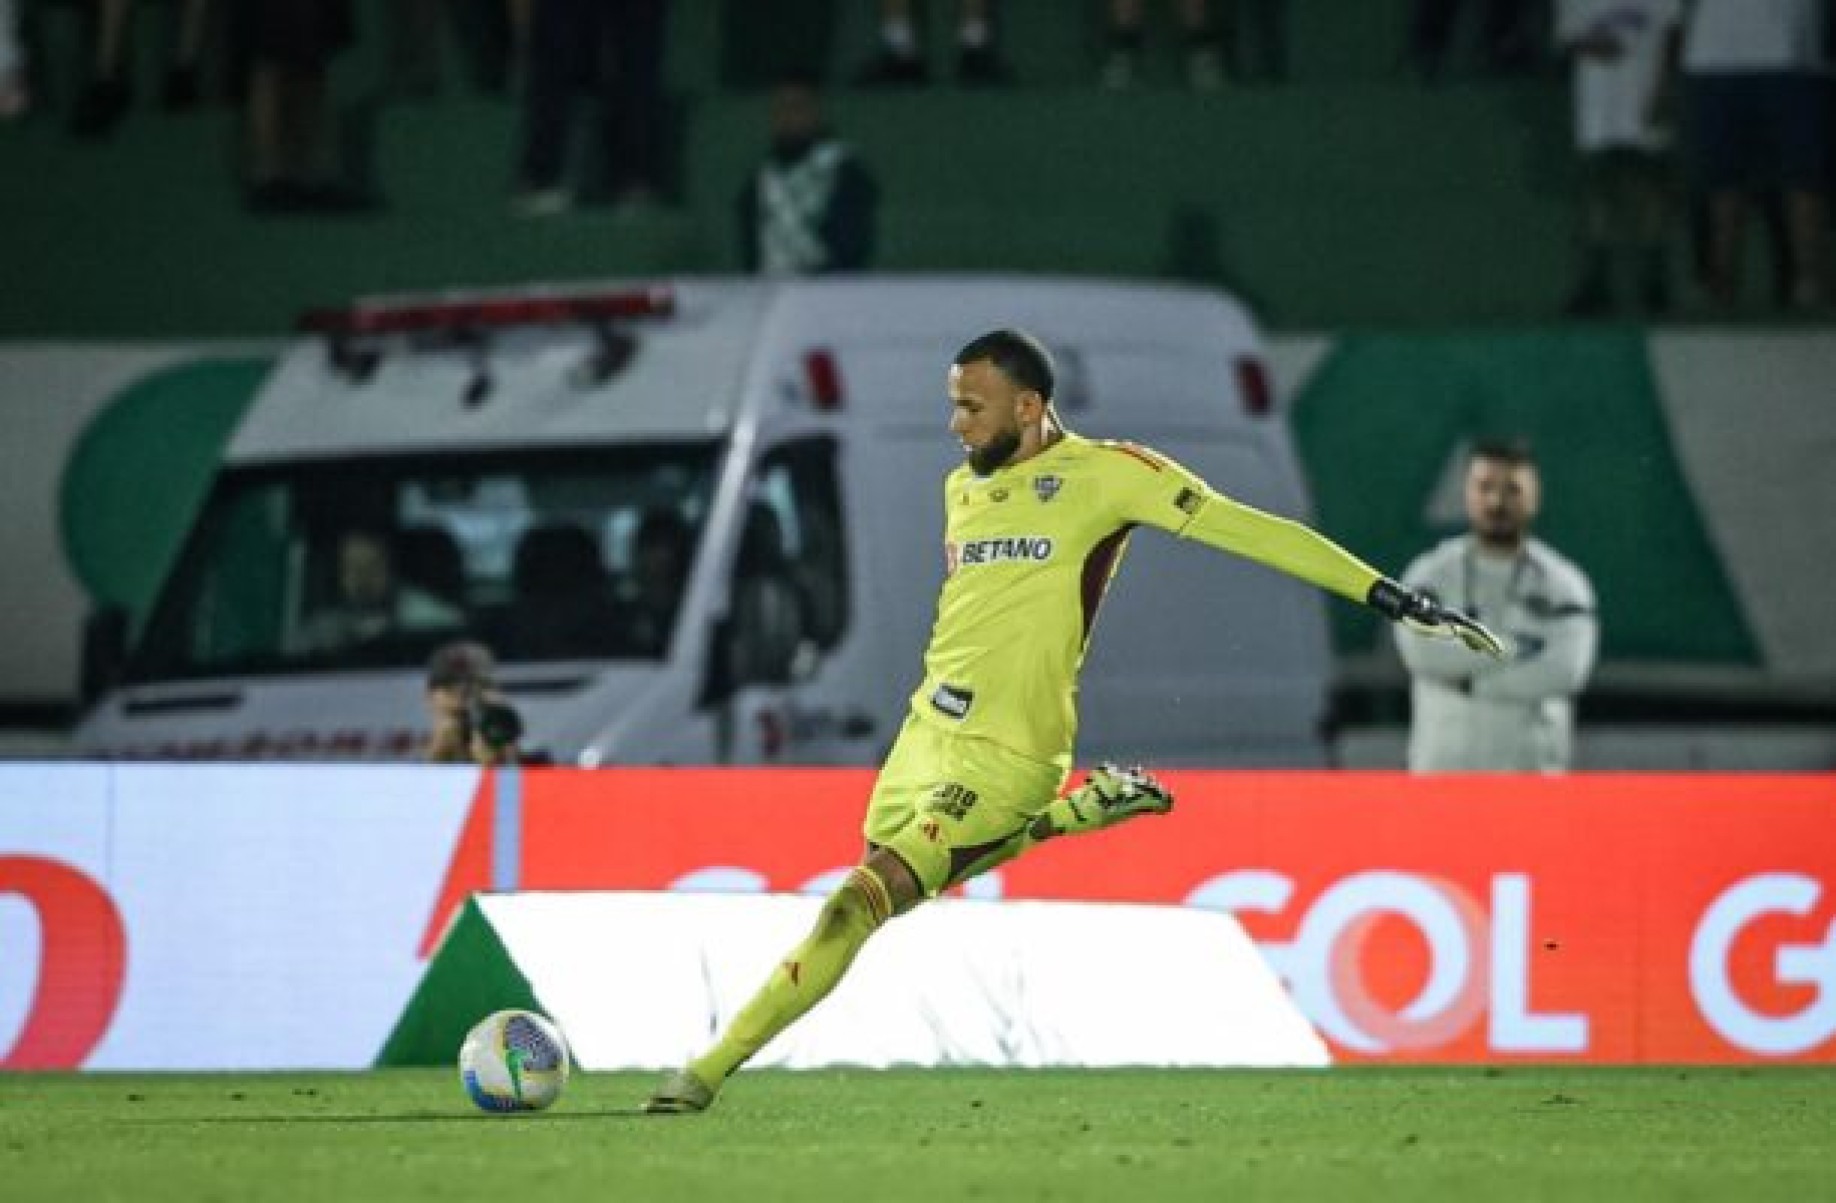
pixel 1301 551
pixel 1282 544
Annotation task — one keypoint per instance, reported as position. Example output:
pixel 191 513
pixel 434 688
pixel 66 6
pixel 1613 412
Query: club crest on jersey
pixel 1046 487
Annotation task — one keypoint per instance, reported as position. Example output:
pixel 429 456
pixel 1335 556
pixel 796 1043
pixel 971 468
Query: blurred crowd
pixel 1693 119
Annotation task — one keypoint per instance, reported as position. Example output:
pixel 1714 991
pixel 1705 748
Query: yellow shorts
pixel 943 802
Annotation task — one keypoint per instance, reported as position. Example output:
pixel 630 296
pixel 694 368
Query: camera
pixel 496 723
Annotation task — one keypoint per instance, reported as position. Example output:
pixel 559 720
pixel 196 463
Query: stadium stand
pixel 1353 195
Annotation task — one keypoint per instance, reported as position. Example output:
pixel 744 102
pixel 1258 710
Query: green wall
pixel 1383 422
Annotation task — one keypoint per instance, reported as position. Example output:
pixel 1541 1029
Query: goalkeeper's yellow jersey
pixel 1030 550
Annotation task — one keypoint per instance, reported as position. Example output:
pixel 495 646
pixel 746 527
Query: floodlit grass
pixel 1416 1134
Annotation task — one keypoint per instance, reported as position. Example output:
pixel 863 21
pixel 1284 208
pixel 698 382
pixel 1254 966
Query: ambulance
pixel 697 522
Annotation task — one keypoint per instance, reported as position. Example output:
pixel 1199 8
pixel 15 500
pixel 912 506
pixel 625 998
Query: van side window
pixel 789 596
pixel 797 481
pixel 770 627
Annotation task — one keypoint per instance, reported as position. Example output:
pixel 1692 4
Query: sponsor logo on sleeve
pixel 952 702
pixel 1188 501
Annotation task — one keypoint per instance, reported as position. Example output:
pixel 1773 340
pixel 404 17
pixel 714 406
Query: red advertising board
pixel 1617 918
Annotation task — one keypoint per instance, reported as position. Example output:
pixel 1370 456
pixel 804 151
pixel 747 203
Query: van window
pixel 790 575
pixel 319 567
pixel 798 482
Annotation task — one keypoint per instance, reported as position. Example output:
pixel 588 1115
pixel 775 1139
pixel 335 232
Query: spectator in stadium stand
pixel 469 720
pixel 104 100
pixel 1624 54
pixel 1515 714
pixel 15 94
pixel 810 207
pixel 614 47
pixel 1213 45
pixel 1758 119
pixel 1507 38
pixel 289 46
pixel 899 61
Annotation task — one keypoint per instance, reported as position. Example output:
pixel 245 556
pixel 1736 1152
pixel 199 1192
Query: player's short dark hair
pixel 1503 449
pixel 1022 358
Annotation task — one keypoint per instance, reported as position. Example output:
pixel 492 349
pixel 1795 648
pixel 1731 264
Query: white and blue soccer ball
pixel 514 1061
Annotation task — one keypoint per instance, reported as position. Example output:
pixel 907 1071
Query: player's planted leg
pixel 850 916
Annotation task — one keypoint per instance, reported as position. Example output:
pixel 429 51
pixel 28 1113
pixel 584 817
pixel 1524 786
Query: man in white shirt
pixel 1624 54
pixel 1515 714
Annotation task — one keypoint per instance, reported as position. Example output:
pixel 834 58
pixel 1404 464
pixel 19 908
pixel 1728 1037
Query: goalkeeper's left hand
pixel 1426 616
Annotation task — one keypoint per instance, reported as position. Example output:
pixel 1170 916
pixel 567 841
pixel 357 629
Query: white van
pixel 507 453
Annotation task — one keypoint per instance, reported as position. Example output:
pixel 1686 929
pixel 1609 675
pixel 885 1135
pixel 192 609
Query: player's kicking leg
pixel 1110 795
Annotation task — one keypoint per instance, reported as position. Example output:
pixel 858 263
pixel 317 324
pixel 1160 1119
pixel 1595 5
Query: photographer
pixel 471 722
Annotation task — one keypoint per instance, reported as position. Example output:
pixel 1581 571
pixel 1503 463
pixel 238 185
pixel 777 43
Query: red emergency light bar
pixel 490 313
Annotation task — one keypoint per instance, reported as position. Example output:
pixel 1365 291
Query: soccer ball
pixel 514 1061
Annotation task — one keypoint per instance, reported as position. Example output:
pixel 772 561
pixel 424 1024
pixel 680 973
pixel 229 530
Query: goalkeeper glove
pixel 1425 616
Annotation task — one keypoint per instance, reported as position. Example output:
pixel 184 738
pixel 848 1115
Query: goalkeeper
pixel 1035 525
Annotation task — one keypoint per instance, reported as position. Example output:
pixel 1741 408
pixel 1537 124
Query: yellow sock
pixel 852 914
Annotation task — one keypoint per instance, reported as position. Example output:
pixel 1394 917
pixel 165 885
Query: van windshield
pixel 323 567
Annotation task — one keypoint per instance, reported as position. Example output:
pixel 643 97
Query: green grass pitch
pixel 1414 1134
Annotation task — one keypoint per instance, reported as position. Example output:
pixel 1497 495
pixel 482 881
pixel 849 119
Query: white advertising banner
pixel 194 917
pixel 637 981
